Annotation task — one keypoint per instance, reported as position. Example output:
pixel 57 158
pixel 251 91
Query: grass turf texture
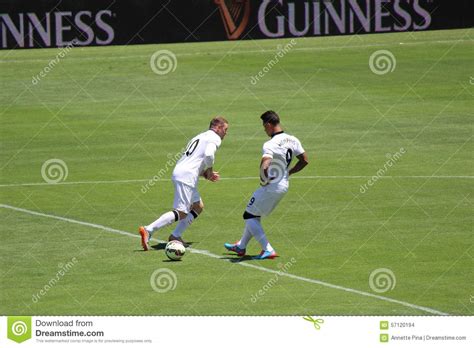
pixel 109 117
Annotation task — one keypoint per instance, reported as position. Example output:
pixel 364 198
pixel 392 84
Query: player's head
pixel 271 122
pixel 219 125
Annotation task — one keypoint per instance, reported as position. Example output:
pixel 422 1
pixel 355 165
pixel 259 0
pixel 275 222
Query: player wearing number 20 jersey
pixel 198 156
pixel 277 155
pixel 197 160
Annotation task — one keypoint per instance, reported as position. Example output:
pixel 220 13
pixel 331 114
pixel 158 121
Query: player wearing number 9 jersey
pixel 277 155
pixel 197 160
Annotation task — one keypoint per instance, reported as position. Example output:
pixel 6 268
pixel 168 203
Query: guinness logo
pixel 235 15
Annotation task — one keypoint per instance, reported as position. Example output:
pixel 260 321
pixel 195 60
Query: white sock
pixel 164 220
pixel 246 236
pixel 184 223
pixel 256 229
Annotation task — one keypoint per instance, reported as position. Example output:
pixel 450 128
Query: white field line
pixel 244 264
pixel 307 177
pixel 197 53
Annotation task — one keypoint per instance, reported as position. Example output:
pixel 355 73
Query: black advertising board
pixel 48 23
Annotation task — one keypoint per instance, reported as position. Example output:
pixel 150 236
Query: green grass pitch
pixel 115 124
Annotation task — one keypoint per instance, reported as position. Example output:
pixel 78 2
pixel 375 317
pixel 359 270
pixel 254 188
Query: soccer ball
pixel 175 250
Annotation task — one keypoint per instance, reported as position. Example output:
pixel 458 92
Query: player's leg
pixel 164 220
pixel 262 203
pixel 182 200
pixel 267 203
pixel 251 212
pixel 246 236
pixel 255 227
pixel 240 246
pixel 196 209
pixel 181 203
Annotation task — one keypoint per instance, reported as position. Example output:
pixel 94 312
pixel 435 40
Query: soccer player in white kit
pixel 278 153
pixel 196 161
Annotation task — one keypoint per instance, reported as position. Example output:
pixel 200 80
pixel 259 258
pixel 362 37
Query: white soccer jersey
pixel 198 156
pixel 281 148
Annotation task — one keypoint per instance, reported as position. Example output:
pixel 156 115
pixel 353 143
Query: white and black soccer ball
pixel 175 250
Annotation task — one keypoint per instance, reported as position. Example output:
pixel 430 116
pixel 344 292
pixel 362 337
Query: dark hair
pixel 217 121
pixel 270 117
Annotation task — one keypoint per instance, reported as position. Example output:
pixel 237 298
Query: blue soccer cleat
pixel 235 249
pixel 266 255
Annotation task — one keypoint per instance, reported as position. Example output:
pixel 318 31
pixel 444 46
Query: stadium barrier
pixel 59 23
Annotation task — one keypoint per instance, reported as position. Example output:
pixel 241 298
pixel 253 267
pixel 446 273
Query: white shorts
pixel 184 196
pixel 263 201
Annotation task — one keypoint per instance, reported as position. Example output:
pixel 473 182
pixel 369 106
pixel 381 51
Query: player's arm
pixel 264 166
pixel 302 162
pixel 211 175
pixel 209 154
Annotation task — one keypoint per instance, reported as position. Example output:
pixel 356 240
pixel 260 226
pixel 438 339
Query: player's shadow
pixel 235 259
pixel 159 246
